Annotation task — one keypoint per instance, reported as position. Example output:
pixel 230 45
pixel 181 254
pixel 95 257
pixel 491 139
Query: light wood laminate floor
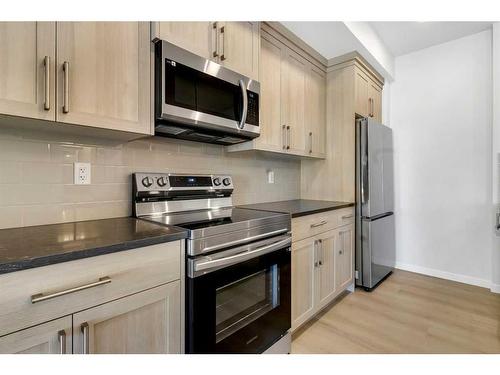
pixel 407 313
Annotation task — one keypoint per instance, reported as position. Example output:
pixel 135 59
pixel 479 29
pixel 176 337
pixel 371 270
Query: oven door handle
pixel 211 265
pixel 244 111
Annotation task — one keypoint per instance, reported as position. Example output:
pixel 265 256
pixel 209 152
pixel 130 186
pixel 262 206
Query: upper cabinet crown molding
pixel 355 58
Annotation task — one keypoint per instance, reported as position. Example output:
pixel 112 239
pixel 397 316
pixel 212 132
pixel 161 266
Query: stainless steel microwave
pixel 200 100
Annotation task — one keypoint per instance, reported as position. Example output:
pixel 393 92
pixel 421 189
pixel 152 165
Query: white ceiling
pixel 330 39
pixel 405 37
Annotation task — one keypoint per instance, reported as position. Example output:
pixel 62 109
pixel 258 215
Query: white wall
pixel 495 259
pixel 441 113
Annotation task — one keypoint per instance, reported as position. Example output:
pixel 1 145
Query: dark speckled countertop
pixel 30 247
pixel 299 207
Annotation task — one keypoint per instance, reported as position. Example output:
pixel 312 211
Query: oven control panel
pixel 171 182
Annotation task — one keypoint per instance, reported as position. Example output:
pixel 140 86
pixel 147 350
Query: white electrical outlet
pixel 270 177
pixel 81 173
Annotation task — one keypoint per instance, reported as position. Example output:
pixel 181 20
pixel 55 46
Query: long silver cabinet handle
pixel 284 136
pixel 215 53
pixel 316 264
pixel 223 33
pixel 311 142
pixel 320 252
pixel 66 87
pixel 289 137
pixel 244 111
pixel 319 224
pixel 347 217
pixel 41 297
pixel 61 335
pixel 46 63
pixel 227 261
pixel 85 333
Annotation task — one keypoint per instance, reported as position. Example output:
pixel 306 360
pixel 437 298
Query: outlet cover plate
pixel 81 173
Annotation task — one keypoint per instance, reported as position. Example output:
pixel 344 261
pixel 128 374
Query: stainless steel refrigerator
pixel 375 238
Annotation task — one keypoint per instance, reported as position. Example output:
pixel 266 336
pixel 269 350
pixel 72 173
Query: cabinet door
pixel 106 83
pixel 326 261
pixel 272 136
pixel 239 47
pixel 146 322
pixel 375 94
pixel 196 37
pixel 293 105
pixel 303 281
pixel 315 111
pixel 27 67
pixel 361 89
pixel 53 337
pixel 344 253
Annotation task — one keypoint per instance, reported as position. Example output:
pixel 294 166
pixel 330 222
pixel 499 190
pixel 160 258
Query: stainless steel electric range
pixel 238 296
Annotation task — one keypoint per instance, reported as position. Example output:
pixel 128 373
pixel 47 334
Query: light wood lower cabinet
pixel 147 322
pixel 327 267
pixel 124 302
pixel 48 338
pixel 304 281
pixel 344 257
pixel 322 268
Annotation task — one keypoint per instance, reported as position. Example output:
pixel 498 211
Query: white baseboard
pixel 449 276
pixel 495 288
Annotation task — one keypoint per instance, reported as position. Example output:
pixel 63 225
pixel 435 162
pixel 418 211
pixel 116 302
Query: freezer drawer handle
pixel 41 297
pixel 321 223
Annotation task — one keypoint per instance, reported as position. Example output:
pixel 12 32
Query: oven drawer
pixel 311 225
pixel 37 295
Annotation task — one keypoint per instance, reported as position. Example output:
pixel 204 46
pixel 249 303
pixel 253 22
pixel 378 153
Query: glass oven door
pixel 243 308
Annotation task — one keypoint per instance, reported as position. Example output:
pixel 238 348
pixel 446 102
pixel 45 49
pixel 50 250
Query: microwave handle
pixel 243 120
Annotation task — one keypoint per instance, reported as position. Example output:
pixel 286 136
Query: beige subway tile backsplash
pixel 36 177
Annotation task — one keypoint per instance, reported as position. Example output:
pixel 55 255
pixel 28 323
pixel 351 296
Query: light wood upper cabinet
pixel 196 37
pixel 344 254
pixel 234 45
pixel 375 94
pixel 315 111
pixel 146 322
pixel 239 44
pixel 304 282
pixel 271 131
pixel 292 101
pixel 53 337
pixel 368 95
pixel 293 106
pixel 361 92
pixel 103 75
pixel 27 69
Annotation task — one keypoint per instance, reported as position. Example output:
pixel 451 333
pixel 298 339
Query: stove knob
pixel 226 181
pixel 147 181
pixel 217 181
pixel 161 181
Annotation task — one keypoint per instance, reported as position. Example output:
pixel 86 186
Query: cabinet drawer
pixel 311 225
pixel 128 271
